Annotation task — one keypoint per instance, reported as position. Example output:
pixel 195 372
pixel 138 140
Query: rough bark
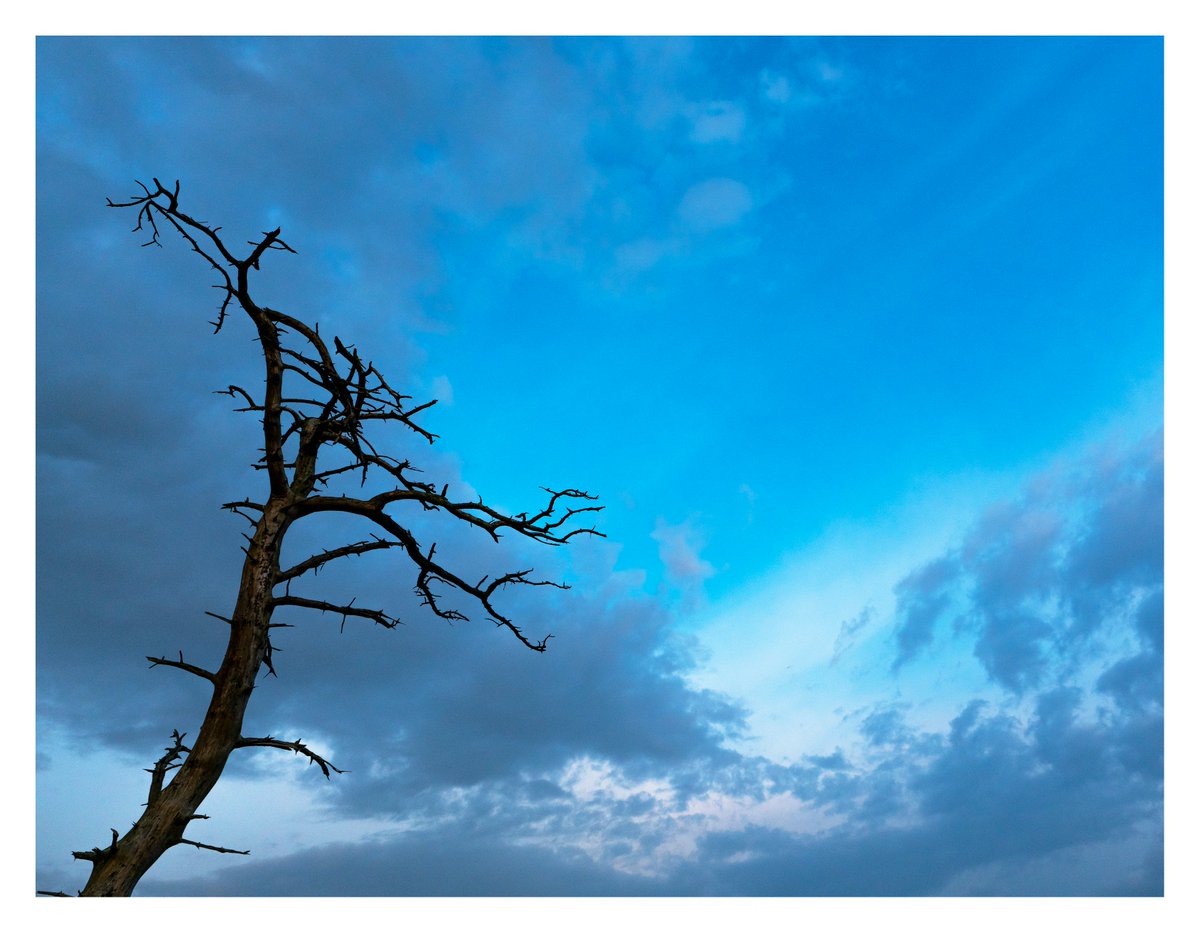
pixel 332 396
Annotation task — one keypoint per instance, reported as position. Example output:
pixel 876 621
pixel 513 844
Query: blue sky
pixel 859 340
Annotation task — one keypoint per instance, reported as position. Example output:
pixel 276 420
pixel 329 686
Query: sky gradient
pixel 860 341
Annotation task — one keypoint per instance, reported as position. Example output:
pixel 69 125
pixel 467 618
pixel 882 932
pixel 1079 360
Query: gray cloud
pixel 848 633
pixel 416 864
pixel 922 599
pixel 990 808
pixel 1038 580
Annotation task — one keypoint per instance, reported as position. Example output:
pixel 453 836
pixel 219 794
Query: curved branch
pixel 317 561
pixel 298 747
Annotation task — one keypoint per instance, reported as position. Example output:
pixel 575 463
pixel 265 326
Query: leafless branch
pixel 298 747
pixel 375 615
pixel 317 561
pixel 183 666
pixel 205 845
pixel 97 854
pixel 171 754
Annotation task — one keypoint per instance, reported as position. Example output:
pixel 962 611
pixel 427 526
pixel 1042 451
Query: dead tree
pixel 317 404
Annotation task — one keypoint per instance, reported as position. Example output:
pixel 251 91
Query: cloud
pixel 715 203
pixel 419 864
pixel 679 550
pixel 643 254
pixel 718 121
pixel 829 73
pixel 442 389
pixel 848 634
pixel 994 806
pixel 775 87
pixel 607 773
pixel 922 599
pixel 1071 559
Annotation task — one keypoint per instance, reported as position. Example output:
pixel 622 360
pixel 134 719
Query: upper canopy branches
pixel 317 400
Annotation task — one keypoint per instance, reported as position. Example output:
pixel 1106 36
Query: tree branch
pixel 315 562
pixel 205 845
pixel 97 854
pixel 298 747
pixel 183 666
pixel 377 616
pixel 158 773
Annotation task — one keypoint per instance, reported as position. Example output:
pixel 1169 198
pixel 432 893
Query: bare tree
pixel 317 405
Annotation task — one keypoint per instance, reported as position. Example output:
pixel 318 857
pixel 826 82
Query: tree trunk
pixel 117 869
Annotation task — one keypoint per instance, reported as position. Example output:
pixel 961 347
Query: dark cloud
pixel 419 864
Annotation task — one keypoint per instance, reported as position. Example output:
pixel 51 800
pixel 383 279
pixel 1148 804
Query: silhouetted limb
pixel 183 666
pixel 298 747
pixel 205 845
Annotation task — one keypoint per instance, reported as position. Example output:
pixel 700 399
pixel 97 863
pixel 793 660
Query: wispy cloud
pixel 714 203
pixel 718 121
pixel 679 548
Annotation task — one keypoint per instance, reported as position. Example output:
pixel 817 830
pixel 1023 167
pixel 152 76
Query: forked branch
pixel 168 762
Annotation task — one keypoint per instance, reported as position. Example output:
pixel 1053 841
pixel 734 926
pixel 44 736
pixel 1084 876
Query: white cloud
pixel 671 824
pixel 829 73
pixel 718 121
pixel 715 203
pixel 775 87
pixel 642 254
pixel 679 550
pixel 441 389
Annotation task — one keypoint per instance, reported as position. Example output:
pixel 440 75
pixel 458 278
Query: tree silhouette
pixel 317 405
